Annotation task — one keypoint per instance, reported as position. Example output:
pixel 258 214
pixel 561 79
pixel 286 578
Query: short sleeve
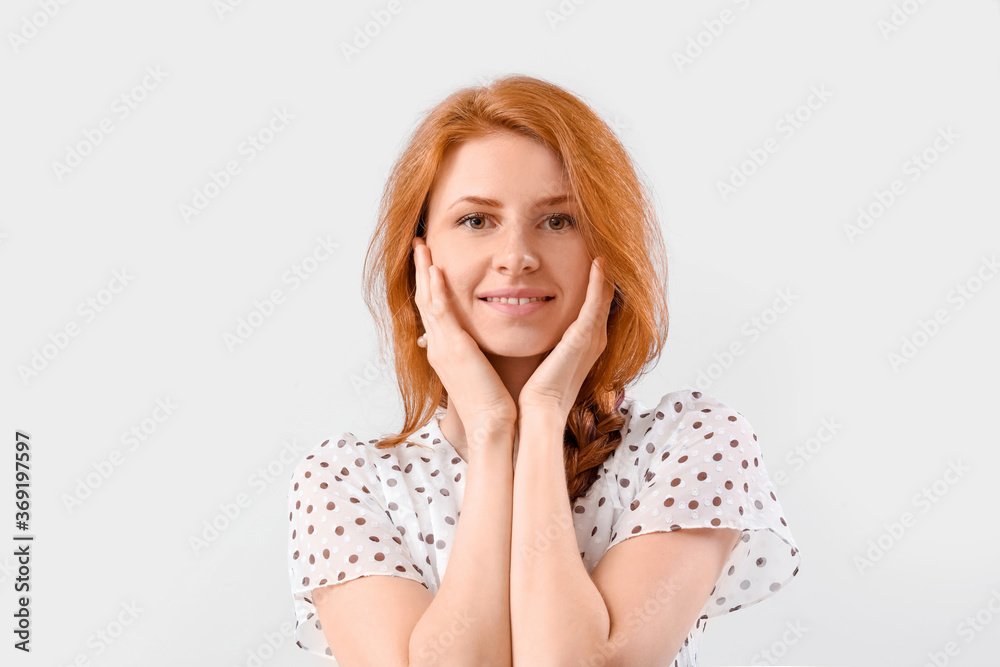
pixel 698 464
pixel 340 530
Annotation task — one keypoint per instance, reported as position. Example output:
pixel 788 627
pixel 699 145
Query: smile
pixel 517 307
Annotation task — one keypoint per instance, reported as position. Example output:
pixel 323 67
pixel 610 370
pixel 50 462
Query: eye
pixel 567 221
pixel 470 217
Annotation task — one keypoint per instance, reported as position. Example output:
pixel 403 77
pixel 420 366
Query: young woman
pixel 529 512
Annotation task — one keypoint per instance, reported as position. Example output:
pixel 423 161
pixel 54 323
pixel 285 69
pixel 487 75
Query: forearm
pixel 468 621
pixel 557 614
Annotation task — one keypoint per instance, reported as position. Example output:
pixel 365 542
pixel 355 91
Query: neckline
pixel 438 433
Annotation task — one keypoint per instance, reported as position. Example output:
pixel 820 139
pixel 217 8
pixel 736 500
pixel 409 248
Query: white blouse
pixel 690 462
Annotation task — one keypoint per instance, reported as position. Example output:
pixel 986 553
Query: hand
pixel 555 384
pixel 475 390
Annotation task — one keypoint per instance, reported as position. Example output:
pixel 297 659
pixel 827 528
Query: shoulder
pixel 678 420
pixel 335 459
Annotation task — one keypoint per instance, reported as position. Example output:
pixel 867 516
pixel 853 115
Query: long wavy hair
pixel 618 222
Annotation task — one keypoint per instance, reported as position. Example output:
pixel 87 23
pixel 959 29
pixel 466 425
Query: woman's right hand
pixel 475 390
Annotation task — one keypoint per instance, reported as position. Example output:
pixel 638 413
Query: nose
pixel 515 253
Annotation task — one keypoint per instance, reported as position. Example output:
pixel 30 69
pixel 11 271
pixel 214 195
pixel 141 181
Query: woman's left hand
pixel 555 384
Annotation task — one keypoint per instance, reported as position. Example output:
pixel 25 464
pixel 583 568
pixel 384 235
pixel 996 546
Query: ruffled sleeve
pixel 339 530
pixel 698 464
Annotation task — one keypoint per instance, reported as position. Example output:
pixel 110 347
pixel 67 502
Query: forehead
pixel 503 166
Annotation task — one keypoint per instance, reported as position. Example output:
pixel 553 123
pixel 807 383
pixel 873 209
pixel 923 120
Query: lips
pixel 518 292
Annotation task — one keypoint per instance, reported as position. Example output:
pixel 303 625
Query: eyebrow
pixel 485 201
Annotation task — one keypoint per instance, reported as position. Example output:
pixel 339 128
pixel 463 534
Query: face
pixel 525 236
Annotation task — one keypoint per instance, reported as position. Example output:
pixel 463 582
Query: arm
pixel 556 610
pixel 560 615
pixel 468 621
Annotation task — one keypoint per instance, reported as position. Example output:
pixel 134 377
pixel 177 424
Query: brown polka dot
pixel 380 556
pixel 717 501
pixel 360 521
pixel 759 505
pixel 636 529
pixel 295 555
pixel 330 506
pixel 353 558
pixel 677 407
pixel 675 481
pixel 729 484
pixel 310 530
pixel 696 425
pixel 326 553
pixel 693 505
pixel 312 559
pixel 734 443
pixel 340 530
pixel 716 522
pixel 717 457
pixel 682 459
pixel 668 502
pixel 702 476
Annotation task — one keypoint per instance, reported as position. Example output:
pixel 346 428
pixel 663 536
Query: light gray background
pixel 310 371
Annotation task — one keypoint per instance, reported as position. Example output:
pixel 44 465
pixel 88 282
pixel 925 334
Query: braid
pixel 599 431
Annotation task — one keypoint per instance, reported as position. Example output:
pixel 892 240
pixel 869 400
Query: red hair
pixel 617 221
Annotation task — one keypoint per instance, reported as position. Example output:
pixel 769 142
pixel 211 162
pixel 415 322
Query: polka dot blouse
pixel 690 462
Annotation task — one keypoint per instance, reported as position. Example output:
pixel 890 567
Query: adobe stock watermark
pixel 806 451
pixel 263 309
pixel 102 639
pixel 231 510
pixel 544 539
pixel 752 329
pixel 561 13
pixel 914 167
pixel 899 16
pixel 432 652
pixel 88 310
pixel 786 127
pixel 663 595
pixel 923 501
pixel 31 25
pixel 958 297
pixel 779 648
pixel 247 151
pixel 121 108
pixel 968 628
pixel 712 30
pixel 363 35
pixel 225 7
pixel 271 643
pixel 131 439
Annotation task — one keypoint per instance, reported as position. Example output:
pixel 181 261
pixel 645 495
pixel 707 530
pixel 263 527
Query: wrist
pixel 544 420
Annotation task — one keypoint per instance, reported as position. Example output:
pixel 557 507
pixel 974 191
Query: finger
pixel 422 297
pixel 596 303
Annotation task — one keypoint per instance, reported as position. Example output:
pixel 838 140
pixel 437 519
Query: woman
pixel 529 512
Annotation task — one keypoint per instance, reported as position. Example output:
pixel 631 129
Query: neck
pixel 514 372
